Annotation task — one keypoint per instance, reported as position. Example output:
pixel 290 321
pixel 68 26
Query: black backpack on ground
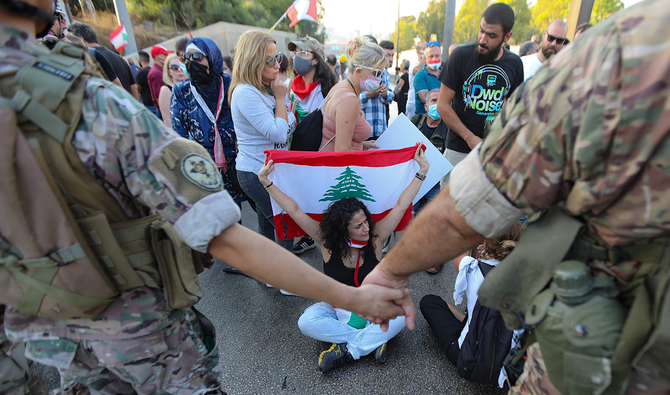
pixel 487 344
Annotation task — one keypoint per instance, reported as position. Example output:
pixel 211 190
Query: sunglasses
pixel 299 53
pixel 273 60
pixel 174 67
pixel 375 72
pixel 433 44
pixel 559 41
pixel 197 56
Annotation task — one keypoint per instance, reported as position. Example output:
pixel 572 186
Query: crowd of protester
pixel 239 106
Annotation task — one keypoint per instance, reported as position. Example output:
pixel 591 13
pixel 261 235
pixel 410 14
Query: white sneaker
pixel 287 293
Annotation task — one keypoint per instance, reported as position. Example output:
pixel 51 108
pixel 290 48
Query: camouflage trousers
pixel 181 359
pixel 534 379
pixel 18 375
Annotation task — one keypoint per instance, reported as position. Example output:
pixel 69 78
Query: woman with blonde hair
pixel 344 125
pixel 173 72
pixel 259 107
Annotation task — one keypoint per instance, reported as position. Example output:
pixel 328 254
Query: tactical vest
pixel 67 248
pixel 591 334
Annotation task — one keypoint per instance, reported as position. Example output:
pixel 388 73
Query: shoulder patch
pixel 202 172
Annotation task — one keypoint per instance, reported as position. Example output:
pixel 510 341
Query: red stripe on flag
pixel 378 158
pixel 287 228
pixel 116 31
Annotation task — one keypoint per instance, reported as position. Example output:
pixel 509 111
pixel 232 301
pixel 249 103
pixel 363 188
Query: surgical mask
pixel 370 83
pixel 198 73
pixel 302 66
pixel 432 112
pixel 183 69
pixel 434 64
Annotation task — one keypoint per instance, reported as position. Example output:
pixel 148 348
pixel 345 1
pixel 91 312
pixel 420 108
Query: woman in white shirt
pixel 448 324
pixel 259 107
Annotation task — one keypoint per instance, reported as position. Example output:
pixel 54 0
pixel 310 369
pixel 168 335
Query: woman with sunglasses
pixel 172 74
pixel 259 106
pixel 344 125
pixel 200 111
pixel 314 78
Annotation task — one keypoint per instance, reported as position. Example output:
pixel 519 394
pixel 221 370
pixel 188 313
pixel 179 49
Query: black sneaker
pixel 336 355
pixel 381 354
pixel 305 243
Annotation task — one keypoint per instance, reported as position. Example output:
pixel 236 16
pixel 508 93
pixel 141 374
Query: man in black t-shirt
pixel 476 81
pixel 143 82
pixel 113 65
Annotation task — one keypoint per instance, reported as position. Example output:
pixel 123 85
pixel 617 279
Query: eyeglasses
pixel 272 60
pixel 300 53
pixel 174 67
pixel 197 56
pixel 375 72
pixel 559 41
pixel 433 44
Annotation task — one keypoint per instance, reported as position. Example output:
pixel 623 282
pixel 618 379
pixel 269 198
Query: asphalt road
pixel 263 352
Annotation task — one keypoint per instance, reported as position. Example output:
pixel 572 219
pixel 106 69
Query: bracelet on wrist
pixel 421 177
pixel 269 185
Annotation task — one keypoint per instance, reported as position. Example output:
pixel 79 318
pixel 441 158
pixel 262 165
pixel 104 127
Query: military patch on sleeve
pixel 202 172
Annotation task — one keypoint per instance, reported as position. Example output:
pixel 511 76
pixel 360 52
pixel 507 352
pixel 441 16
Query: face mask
pixel 432 111
pixel 302 66
pixel 183 69
pixel 198 73
pixel 370 83
pixel 356 243
pixel 434 64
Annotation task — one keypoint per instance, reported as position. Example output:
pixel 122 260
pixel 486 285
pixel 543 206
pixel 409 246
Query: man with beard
pixel 553 40
pixel 57 31
pixel 483 74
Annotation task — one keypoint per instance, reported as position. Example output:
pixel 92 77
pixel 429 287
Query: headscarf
pixel 209 92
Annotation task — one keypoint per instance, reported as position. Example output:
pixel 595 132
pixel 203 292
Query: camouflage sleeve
pixel 525 165
pixel 144 163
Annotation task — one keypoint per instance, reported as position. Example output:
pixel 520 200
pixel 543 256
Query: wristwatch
pixel 421 177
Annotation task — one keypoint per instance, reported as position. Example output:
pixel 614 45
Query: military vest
pixel 66 246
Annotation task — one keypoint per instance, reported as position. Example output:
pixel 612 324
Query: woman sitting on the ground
pixel 448 324
pixel 347 237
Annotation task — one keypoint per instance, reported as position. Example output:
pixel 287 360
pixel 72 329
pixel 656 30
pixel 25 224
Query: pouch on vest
pixel 176 266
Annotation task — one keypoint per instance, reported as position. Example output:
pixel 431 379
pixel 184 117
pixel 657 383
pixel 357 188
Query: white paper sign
pixel 402 134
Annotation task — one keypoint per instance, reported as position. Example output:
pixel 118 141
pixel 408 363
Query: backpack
pixel 308 134
pixel 487 344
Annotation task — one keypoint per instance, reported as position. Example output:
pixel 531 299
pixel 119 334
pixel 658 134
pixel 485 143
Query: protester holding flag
pixel 261 116
pixel 200 111
pixel 172 74
pixel 344 125
pixel 347 235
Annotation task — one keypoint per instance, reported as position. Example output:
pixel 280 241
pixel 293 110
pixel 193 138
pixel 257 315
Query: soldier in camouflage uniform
pixel 589 133
pixel 138 345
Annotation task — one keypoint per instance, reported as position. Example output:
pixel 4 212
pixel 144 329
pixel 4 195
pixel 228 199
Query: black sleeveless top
pixel 335 268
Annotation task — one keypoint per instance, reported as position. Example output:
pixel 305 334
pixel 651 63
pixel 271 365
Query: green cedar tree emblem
pixel 348 186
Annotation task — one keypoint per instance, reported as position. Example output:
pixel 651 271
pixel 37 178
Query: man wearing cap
pixel 56 32
pixel 155 76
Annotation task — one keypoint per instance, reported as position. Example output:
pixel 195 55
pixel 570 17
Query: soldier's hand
pixel 378 303
pixel 379 277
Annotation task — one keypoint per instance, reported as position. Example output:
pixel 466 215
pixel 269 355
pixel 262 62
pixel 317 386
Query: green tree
pixel 523 27
pixel 348 186
pixel 602 8
pixel 407 33
pixel 431 21
pixel 467 20
pixel 546 11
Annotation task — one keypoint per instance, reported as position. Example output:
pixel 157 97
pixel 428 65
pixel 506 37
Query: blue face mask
pixel 183 69
pixel 432 111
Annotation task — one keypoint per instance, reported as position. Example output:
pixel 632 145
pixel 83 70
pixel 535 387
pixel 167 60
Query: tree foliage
pixel 523 25
pixel 407 33
pixel 602 8
pixel 467 21
pixel 546 11
pixel 431 21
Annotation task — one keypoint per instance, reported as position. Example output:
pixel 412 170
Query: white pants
pixel 319 321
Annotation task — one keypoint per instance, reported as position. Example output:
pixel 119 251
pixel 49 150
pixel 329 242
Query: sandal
pixel 434 269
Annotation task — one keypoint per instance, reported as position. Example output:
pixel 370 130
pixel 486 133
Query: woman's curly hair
pixel 333 227
pixel 499 247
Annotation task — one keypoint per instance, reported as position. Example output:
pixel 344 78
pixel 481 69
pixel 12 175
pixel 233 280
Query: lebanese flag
pixel 119 38
pixel 302 10
pixel 314 180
